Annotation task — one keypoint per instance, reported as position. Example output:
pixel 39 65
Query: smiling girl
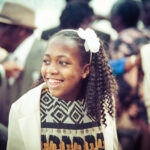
pixel 73 107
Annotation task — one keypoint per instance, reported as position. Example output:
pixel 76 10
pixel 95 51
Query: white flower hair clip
pixel 92 42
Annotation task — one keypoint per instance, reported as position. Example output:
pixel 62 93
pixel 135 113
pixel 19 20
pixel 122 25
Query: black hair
pixel 145 1
pixel 128 10
pixel 79 0
pixel 74 14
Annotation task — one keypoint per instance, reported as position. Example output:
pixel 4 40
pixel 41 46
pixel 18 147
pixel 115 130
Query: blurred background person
pixel 145 55
pixel 145 17
pixel 17 37
pixel 77 14
pixel 124 18
pixel 7 69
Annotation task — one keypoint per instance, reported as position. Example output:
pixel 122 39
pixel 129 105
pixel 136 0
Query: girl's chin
pixel 60 94
pixel 54 93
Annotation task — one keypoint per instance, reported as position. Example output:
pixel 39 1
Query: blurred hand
pixel 12 69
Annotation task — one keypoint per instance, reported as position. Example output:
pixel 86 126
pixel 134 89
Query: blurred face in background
pixel 12 35
pixel 116 23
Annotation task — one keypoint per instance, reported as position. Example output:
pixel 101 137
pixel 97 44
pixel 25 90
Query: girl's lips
pixel 53 82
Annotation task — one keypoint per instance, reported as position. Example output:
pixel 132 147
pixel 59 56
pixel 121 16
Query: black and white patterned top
pixel 65 125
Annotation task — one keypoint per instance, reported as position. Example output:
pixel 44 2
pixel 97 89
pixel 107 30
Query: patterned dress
pixel 65 125
pixel 129 42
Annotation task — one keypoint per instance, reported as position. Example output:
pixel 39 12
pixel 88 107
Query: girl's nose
pixel 52 68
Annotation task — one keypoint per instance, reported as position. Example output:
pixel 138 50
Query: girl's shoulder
pixel 29 100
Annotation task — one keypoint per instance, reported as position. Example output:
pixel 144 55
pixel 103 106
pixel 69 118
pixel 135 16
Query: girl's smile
pixel 54 83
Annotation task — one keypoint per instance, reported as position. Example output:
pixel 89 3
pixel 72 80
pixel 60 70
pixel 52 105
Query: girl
pixel 73 107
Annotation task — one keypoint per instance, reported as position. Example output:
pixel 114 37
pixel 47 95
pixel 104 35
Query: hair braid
pixel 101 87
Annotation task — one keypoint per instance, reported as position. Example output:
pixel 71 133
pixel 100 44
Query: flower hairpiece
pixel 92 43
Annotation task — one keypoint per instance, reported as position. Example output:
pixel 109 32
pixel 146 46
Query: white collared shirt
pixel 22 51
pixel 20 54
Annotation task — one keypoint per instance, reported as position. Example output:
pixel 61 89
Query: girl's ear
pixel 86 70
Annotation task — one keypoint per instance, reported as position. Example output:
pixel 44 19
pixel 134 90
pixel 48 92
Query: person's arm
pixel 9 69
pixel 118 65
pixel 12 69
pixel 131 61
pixel 123 65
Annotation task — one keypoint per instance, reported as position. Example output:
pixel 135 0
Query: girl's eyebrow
pixel 47 55
pixel 59 56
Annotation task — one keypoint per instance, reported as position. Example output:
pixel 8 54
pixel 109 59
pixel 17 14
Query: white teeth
pixel 52 83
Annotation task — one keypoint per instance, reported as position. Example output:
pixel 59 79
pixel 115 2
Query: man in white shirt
pixel 18 38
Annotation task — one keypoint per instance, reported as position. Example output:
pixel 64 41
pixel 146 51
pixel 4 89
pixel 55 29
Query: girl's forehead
pixel 62 39
pixel 62 45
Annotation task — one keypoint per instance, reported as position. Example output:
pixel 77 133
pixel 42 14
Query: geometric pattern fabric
pixel 65 125
pixel 59 111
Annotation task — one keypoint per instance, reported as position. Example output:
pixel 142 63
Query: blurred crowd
pixel 21 53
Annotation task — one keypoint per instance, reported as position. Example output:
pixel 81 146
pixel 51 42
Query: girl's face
pixel 62 70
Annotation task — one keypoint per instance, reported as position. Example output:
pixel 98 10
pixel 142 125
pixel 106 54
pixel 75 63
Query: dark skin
pixel 11 36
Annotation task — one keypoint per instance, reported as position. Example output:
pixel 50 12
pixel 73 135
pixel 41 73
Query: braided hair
pixel 100 86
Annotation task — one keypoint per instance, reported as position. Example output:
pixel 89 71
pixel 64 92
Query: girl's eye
pixel 45 61
pixel 63 63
